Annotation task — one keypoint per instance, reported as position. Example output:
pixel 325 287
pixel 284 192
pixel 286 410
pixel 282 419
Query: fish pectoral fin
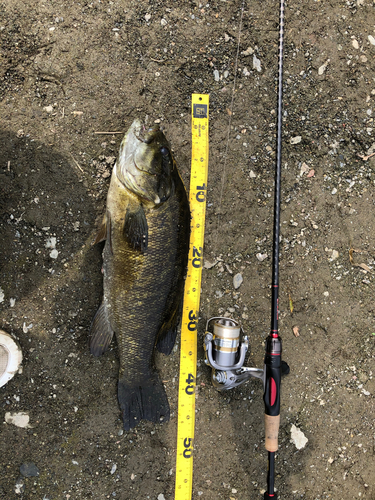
pixel 102 233
pixel 101 332
pixel 136 228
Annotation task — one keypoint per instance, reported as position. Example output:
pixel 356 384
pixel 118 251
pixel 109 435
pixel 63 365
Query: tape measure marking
pixel 190 313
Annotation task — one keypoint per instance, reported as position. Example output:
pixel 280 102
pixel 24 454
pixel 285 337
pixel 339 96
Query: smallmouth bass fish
pixel 146 230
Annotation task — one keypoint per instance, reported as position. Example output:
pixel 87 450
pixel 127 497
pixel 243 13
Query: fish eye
pixel 164 151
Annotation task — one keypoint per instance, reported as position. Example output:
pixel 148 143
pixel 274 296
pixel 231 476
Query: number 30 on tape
pixel 190 313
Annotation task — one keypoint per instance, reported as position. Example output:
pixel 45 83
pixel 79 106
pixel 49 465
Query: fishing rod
pixel 226 345
pixel 272 360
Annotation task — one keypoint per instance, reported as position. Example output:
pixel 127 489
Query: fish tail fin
pixel 146 400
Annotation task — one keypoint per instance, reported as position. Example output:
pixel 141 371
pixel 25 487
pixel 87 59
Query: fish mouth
pixel 145 163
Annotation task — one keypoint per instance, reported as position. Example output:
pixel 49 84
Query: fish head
pixel 145 163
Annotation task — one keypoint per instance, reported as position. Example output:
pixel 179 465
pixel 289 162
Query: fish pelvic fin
pixel 136 228
pixel 145 400
pixel 101 332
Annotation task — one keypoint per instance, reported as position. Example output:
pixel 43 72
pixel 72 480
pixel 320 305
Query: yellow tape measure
pixel 188 356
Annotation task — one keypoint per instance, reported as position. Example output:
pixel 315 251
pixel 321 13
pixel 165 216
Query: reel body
pixel 225 351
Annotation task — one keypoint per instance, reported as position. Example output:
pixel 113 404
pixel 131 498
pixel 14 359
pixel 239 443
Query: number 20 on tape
pixel 190 313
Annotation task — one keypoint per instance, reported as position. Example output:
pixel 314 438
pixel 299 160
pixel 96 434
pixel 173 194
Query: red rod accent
pixel 273 392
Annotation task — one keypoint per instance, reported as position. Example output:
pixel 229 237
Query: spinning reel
pixel 225 350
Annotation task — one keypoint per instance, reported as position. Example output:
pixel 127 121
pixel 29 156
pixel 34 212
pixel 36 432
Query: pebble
pixel 54 254
pixel 114 468
pixel 29 469
pixel 209 265
pixel 371 39
pixel 298 437
pixel 296 140
pixel 163 22
pixel 334 191
pixel 261 256
pixel 147 17
pixel 237 280
pixel 304 168
pixel 161 497
pixel 256 63
pixel 20 419
pixel 216 75
pixel 355 44
pixel 48 109
pixel 248 52
pixel 2 295
pixel 252 175
pixel 323 67
pixel 20 486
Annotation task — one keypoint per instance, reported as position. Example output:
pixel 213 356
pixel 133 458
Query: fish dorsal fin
pixel 136 228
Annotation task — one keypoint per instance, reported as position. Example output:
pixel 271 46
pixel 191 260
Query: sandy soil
pixel 71 69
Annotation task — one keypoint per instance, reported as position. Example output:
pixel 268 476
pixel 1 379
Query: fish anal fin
pixel 167 340
pixel 136 228
pixel 146 400
pixel 101 332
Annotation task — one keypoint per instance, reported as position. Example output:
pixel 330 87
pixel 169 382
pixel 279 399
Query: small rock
pixel 216 75
pixel 114 468
pixel 147 17
pixel 256 63
pixel 261 256
pixel 2 295
pixel 296 140
pixel 334 191
pixel 298 437
pixel 252 175
pixel 323 67
pixel 296 331
pixel 237 280
pixel 54 253
pixel 304 168
pixel 246 72
pixel 20 419
pixel 371 39
pixel 163 22
pixel 29 469
pixel 209 265
pixel 51 242
pixel 19 486
pixel 219 294
pixel 161 497
pixel 355 44
pixel 335 255
pixel 12 302
pixel 248 52
pixel 48 109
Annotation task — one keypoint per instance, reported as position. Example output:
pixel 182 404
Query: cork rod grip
pixel 271 425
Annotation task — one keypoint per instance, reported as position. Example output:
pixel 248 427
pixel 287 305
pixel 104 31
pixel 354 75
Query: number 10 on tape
pixel 189 325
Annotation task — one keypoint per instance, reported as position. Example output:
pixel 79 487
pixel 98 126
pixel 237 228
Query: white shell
pixel 10 357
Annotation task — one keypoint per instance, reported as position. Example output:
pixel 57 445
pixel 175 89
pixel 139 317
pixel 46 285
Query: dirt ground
pixel 71 69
